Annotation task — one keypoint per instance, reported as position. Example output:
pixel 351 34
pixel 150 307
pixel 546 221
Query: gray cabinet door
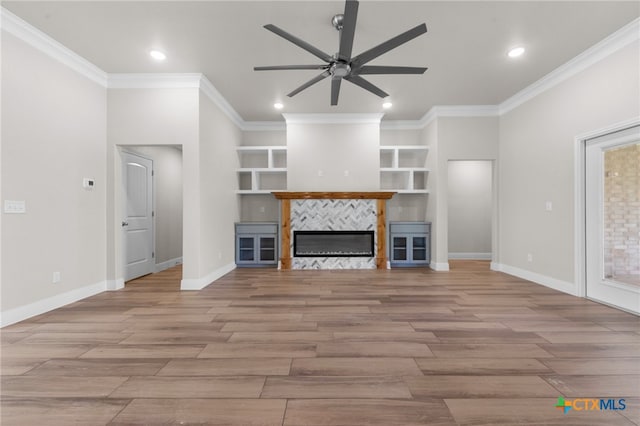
pixel 256 244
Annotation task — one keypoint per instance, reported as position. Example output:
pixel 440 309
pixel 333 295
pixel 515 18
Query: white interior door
pixel 137 222
pixel 613 219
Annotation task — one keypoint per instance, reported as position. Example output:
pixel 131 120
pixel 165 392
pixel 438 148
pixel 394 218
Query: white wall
pixel 53 135
pixel 469 206
pixel 331 150
pixel 167 196
pixel 219 208
pixel 429 137
pixel 537 163
pixel 154 117
pixel 453 138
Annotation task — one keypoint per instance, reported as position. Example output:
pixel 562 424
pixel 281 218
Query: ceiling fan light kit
pixel 342 65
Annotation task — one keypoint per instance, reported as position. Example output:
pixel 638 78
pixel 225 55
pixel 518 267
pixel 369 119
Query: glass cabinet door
pixel 419 246
pixel 267 249
pixel 246 249
pixel 399 248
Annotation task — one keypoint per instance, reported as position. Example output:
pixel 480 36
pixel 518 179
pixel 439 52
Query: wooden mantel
pixel 285 232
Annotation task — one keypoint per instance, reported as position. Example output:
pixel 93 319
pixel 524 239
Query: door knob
pixel 125 223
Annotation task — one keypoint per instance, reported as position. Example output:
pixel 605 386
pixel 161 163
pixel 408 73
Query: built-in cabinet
pixel 409 243
pixel 402 168
pixel 262 169
pixel 256 244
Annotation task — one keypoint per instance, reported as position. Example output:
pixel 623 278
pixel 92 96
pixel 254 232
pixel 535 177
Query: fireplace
pixel 333 213
pixel 333 243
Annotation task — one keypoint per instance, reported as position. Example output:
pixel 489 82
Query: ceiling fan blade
pixel 374 69
pixel 335 90
pixel 292 67
pixel 348 30
pixel 388 45
pixel 298 42
pixel 309 83
pixel 359 81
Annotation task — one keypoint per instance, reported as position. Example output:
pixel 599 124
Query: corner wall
pixel 219 204
pixel 537 164
pixel 453 138
pixel 53 136
pixel 154 117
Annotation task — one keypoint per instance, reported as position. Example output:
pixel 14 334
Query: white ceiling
pixel 465 46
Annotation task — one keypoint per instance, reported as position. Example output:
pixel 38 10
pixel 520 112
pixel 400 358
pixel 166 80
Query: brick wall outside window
pixel 622 213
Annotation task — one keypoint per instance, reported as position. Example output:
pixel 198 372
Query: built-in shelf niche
pixel 262 169
pixel 402 168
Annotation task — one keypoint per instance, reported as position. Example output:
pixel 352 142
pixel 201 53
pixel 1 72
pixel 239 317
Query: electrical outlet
pixel 261 209
pixel 346 173
pixel 529 257
pixel 548 206
pixel 56 277
pixel 320 173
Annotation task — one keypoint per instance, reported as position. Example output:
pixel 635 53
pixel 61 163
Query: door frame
pixel 580 199
pixel 123 207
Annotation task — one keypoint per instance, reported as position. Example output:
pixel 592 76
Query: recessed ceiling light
pixel 278 105
pixel 158 55
pixel 387 105
pixel 515 52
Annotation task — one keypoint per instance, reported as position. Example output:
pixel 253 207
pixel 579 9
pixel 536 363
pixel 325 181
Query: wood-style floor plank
pixel 237 412
pixel 335 387
pixel 479 387
pixel 373 412
pixel 60 412
pixel 345 347
pixel 227 367
pixel 195 387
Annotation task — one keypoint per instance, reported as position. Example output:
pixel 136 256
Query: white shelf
pixel 262 169
pixel 402 168
pixel 412 191
pixel 404 147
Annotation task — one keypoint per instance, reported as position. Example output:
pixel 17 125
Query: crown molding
pixel 262 126
pixel 212 93
pixel 466 110
pixel 333 118
pixel 41 41
pixel 177 81
pixel 401 125
pixel 154 81
pixel 611 44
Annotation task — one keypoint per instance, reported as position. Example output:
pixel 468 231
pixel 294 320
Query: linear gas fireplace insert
pixel 333 243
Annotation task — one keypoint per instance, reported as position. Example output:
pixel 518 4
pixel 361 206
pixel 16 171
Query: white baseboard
pixel 168 264
pixel 554 283
pixel 200 283
pixel 21 313
pixel 117 284
pixel 439 266
pixel 470 256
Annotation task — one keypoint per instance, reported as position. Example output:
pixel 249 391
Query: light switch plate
pixel 15 206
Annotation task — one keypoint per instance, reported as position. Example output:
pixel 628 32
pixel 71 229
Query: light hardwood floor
pixel 268 347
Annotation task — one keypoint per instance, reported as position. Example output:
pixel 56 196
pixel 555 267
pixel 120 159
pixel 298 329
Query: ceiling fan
pixel 342 65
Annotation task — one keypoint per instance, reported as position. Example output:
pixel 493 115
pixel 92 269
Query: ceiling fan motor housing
pixel 340 69
pixel 337 21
